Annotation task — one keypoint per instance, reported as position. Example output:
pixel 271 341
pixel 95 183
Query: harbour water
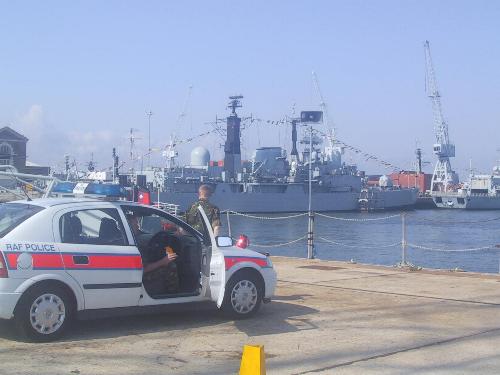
pixel 378 241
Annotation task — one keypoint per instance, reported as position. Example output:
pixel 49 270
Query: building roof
pixel 9 134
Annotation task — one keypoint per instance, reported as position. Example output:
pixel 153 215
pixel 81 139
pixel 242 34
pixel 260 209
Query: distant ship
pixel 481 192
pixel 271 182
pixel 416 178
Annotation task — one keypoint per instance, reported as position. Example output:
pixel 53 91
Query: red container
pixel 410 179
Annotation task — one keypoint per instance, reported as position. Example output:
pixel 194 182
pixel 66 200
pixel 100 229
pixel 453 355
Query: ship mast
pixel 232 148
pixel 132 157
pixel 443 175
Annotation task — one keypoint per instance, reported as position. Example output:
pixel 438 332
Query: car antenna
pixel 28 198
pixel 24 191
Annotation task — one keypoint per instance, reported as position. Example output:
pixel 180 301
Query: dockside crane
pixel 170 152
pixel 180 119
pixel 444 177
pixel 324 108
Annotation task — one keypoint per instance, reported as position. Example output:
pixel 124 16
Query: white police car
pixel 63 257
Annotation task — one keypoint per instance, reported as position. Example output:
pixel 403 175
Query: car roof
pixel 50 202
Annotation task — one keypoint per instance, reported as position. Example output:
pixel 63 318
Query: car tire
pixel 243 295
pixel 44 312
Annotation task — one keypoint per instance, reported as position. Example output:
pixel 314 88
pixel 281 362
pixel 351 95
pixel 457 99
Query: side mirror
pixel 223 241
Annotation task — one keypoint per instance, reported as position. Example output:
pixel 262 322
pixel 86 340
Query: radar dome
pixel 200 157
pixel 384 181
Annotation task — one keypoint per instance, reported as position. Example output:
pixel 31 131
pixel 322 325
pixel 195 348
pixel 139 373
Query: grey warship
pixel 480 192
pixel 272 182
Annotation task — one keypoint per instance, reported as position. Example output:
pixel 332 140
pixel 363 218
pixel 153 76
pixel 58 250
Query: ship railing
pixel 171 208
pixel 482 195
pixel 448 194
pixel 464 193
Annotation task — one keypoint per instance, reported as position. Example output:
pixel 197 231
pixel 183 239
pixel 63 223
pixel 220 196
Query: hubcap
pixel 244 296
pixel 47 313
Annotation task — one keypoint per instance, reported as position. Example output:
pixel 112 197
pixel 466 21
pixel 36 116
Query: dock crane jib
pixel 444 177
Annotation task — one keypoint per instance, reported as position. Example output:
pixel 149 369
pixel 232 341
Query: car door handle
pixel 80 259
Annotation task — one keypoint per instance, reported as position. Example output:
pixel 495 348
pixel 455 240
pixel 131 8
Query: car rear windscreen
pixel 13 214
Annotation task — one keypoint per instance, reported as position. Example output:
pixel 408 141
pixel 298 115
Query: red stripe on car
pixel 231 261
pixel 38 260
pixel 47 261
pixel 12 260
pixel 96 261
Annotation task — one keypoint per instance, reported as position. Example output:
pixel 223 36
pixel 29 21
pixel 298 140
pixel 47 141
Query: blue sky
pixel 76 76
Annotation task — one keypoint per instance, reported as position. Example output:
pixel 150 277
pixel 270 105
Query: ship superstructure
pixel 480 192
pixel 273 182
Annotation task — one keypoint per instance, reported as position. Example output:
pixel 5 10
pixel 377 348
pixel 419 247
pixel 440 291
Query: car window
pixel 13 214
pixel 95 226
pixel 146 221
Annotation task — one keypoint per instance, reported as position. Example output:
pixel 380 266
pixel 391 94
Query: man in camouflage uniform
pixel 193 216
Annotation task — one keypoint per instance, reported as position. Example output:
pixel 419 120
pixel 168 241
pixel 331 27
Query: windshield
pixel 13 214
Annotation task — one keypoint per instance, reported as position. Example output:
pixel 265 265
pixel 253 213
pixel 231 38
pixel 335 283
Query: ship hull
pixel 425 203
pixel 473 202
pixel 269 202
pixel 393 199
pixel 292 198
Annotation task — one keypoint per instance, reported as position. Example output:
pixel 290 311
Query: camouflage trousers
pixel 163 280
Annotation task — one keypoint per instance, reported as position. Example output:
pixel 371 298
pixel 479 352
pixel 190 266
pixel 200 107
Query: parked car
pixel 62 257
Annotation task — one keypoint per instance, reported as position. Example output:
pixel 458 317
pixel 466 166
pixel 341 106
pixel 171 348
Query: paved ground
pixel 328 317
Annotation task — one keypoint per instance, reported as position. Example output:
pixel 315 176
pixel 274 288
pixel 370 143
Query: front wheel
pixel 243 295
pixel 44 312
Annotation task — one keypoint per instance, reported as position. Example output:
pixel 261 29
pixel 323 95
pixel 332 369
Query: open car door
pixel 217 280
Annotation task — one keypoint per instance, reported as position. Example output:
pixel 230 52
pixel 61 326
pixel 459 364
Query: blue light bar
pixel 64 187
pixel 105 190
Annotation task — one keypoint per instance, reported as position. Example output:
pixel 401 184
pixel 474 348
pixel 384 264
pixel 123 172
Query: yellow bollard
pixel 253 360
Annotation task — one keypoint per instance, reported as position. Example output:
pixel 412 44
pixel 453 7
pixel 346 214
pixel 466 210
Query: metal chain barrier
pixel 403 243
pixel 450 250
pixel 357 220
pixel 360 246
pixel 414 219
pixel 280 244
pixel 264 217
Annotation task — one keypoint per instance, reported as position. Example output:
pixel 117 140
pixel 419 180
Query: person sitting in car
pixel 160 272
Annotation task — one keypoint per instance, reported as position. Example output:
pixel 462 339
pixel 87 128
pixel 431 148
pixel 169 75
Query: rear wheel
pixel 243 295
pixel 44 312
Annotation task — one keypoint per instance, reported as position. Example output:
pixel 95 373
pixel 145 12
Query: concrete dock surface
pixel 327 318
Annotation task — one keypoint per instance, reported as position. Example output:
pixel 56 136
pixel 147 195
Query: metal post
pixel 149 114
pixel 498 246
pixel 310 237
pixel 228 224
pixel 403 239
pixel 310 227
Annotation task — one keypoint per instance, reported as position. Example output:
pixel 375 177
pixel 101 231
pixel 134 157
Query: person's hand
pixel 168 259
